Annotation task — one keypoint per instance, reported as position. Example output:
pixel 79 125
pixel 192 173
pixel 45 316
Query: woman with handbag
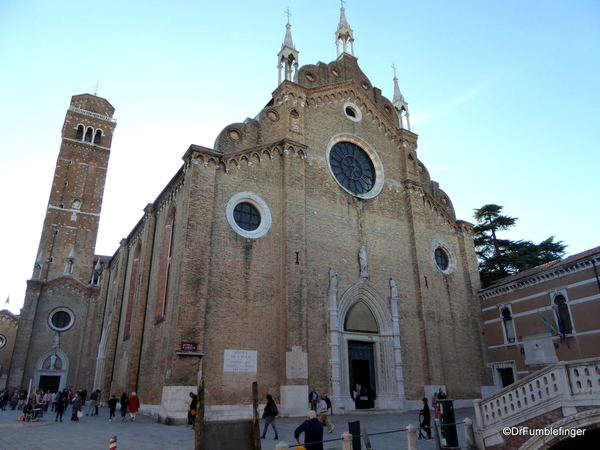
pixel 77 412
pixel 269 414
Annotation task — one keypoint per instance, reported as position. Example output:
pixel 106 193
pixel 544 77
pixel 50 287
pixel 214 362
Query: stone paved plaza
pixel 91 433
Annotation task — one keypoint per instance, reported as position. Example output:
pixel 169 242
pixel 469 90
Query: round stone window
pixel 248 215
pixel 352 112
pixel 355 166
pixel 61 319
pixel 2 340
pixel 441 258
pixel 352 167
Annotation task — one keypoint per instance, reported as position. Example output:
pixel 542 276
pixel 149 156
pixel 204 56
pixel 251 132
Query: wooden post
pixel 199 426
pixel 255 424
pixel 411 435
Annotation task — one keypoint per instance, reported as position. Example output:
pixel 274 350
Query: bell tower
pixel 70 228
pixel 55 341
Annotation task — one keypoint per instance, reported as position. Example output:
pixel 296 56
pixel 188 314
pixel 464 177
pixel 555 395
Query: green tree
pixel 499 258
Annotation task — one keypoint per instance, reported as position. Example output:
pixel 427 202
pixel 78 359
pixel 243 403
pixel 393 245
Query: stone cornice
pixel 247 157
pixel 542 276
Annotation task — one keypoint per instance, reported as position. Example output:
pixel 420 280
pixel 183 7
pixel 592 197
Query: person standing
pixel 124 403
pixel 269 414
pixel 92 406
pixel 426 420
pixel 313 399
pixel 193 409
pixel 61 405
pixel 112 407
pixel 313 432
pixel 324 419
pixel 77 406
pixel 134 405
pixel 5 399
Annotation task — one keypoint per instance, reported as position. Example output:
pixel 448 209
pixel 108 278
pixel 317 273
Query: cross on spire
pixel 288 13
pixel 394 67
pixel 96 88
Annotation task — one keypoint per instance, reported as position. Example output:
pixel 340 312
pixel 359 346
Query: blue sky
pixel 503 95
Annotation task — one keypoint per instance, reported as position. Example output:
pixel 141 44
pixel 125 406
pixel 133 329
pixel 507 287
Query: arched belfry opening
pixel 366 355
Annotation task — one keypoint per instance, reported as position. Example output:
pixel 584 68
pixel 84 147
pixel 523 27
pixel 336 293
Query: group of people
pixel 60 401
pixel 312 427
pixel 425 414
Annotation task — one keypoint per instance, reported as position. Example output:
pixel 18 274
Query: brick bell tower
pixel 64 286
pixel 72 217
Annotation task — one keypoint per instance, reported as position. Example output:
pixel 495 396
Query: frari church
pixel 308 249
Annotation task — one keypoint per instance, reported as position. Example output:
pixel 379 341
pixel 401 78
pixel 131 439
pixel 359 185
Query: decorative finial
pixel 287 11
pixel 96 89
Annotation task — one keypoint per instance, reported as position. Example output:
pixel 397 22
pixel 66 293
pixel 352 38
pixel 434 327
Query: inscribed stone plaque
pixel 240 361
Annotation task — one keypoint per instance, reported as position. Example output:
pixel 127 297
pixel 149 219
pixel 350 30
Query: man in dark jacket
pixel 313 432
pixel 426 421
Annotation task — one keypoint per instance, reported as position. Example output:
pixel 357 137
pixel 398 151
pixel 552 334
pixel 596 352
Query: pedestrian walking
pixel 124 402
pixel 269 414
pixel 134 405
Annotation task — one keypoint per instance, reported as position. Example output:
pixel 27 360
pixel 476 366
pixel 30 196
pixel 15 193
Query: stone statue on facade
pixel 364 265
pixel 332 279
pixel 393 288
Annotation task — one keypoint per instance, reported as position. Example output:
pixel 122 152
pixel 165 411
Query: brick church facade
pixel 308 249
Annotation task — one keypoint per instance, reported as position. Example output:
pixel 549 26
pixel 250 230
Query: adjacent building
pixel 543 315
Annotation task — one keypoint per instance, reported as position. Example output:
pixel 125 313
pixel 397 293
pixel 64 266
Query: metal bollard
pixel 411 434
pixel 113 443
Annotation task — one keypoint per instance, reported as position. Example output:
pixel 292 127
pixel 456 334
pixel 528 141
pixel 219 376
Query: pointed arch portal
pixel 51 371
pixel 366 358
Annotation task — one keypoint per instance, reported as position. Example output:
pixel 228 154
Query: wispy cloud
pixel 419 118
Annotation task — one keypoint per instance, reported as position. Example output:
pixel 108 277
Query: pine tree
pixel 499 258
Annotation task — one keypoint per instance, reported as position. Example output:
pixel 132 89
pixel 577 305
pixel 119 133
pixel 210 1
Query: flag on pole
pixel 550 327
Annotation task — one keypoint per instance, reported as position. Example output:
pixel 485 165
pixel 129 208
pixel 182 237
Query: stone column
pixel 469 434
pixel 398 365
pixel 336 396
pixel 411 435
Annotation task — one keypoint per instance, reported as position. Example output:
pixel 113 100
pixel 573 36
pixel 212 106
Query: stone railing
pixel 560 385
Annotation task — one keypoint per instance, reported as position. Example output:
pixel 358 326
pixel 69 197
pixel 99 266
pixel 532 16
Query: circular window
pixel 61 319
pixel 2 340
pixel 355 166
pixel 352 112
pixel 352 167
pixel 248 215
pixel 441 258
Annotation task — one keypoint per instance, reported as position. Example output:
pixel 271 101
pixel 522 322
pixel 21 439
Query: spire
pixel 344 34
pixel 400 104
pixel 288 56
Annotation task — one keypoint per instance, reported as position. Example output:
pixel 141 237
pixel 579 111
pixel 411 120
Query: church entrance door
pixel 49 383
pixel 362 373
